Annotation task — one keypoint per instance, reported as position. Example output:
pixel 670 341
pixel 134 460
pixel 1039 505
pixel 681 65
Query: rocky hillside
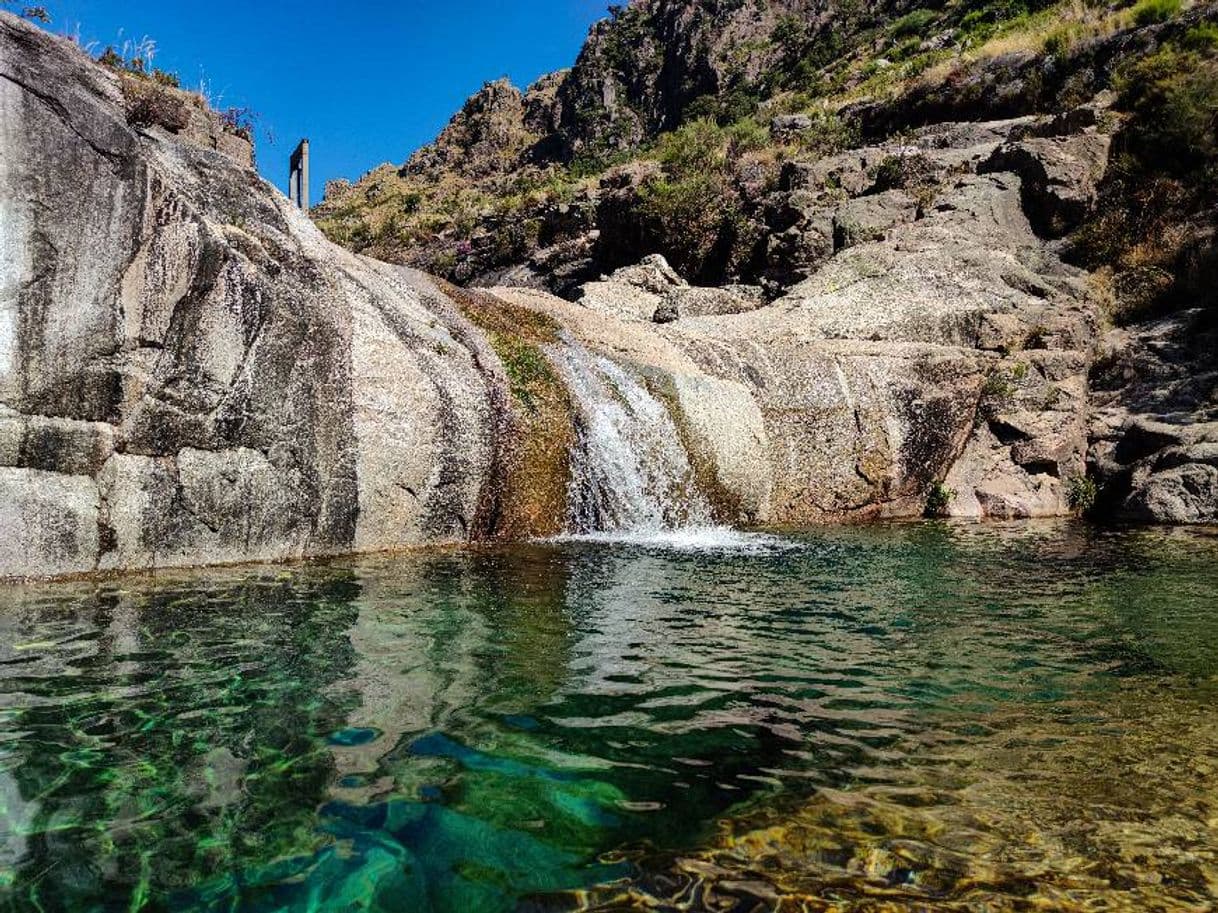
pixel 672 131
pixel 752 144
pixel 191 373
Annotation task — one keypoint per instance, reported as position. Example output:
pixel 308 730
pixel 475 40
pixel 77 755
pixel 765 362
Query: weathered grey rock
pixel 635 292
pixel 620 299
pixel 875 378
pixel 49 523
pixel 1060 177
pixel 688 302
pixel 787 125
pixel 869 218
pixel 937 279
pixel 1154 428
pixel 189 372
pixel 651 274
pixel 1186 493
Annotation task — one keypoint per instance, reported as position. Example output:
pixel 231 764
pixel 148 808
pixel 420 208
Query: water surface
pixel 908 717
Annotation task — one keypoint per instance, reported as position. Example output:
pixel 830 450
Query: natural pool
pixel 905 717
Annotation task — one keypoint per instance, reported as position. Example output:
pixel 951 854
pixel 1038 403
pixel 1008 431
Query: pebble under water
pixel 903 717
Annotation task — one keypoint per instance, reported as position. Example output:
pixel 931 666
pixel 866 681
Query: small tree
pixel 34 13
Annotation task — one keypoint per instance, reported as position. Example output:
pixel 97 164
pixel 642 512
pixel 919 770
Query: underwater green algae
pixel 930 714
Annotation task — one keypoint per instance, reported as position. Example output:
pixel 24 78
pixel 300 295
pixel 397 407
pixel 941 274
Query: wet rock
pixel 49 523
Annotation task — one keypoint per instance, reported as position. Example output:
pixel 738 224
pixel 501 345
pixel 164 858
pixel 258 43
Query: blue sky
pixel 366 82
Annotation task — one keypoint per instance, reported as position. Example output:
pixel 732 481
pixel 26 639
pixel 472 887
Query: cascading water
pixel 631 479
pixel 629 472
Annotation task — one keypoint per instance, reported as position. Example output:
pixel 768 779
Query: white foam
pixel 708 539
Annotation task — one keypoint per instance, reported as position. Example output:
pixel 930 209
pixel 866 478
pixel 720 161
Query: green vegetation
pixel 1173 96
pixel 828 134
pixel 527 369
pixel 913 24
pixel 939 500
pixel 998 387
pixel 700 207
pixel 690 205
pixel 1148 12
pixel 1081 493
pixel 135 59
pixel 1149 228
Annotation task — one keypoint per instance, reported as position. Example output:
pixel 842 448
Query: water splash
pixel 715 539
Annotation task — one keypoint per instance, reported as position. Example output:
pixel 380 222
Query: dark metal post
pixel 298 176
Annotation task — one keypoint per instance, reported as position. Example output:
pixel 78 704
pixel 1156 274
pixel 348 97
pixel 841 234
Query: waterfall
pixel 629 472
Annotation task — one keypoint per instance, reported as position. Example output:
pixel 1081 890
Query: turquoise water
pixel 610 726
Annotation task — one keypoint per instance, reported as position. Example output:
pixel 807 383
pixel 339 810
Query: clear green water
pixel 907 717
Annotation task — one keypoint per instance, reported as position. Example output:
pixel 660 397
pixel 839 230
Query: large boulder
pixel 189 372
pixel 1061 176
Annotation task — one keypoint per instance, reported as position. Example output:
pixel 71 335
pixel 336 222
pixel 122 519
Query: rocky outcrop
pixel 953 351
pixel 488 135
pixel 1060 177
pixel 651 290
pixel 1155 424
pixel 189 372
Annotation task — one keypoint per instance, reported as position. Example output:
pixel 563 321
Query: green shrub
pixel 689 211
pixel 998 389
pixel 1173 97
pixel 1058 42
pixel 739 103
pixel 1148 12
pixel 695 148
pixel 978 25
pixel 1081 493
pixel 912 23
pixel 939 500
pixel 747 135
pixel 828 134
pixel 165 78
pixel 1201 38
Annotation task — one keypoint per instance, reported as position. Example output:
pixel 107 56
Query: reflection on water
pixel 927 717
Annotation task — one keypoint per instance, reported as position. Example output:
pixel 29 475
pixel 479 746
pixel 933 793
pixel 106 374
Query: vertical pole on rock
pixel 298 176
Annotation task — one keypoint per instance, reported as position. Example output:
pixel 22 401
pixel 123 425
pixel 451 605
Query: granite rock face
pixel 954 351
pixel 1060 175
pixel 1154 428
pixel 189 372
